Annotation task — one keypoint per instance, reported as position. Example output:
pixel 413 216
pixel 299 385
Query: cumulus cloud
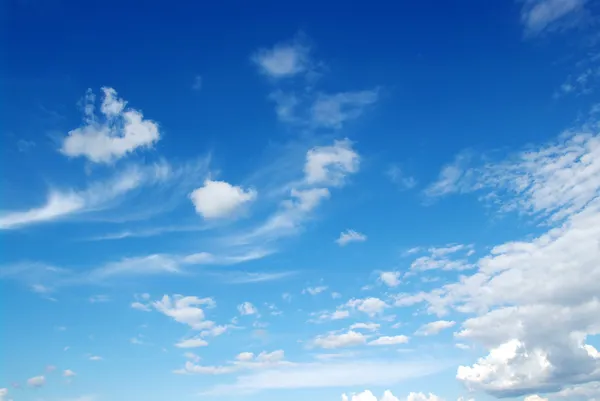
pixel 69 373
pixel 371 306
pixel 535 301
pixel 191 343
pixel 391 279
pixel 434 327
pixel 186 310
pixel 329 165
pixel 365 326
pixel 37 381
pixel 247 308
pixel 283 60
pixel 218 199
pixel 390 340
pixel 333 340
pixel 350 236
pixel 122 132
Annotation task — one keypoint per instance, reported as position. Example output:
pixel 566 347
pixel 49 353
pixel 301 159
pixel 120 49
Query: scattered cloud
pixel 365 326
pixel 315 290
pixel 391 279
pixel 284 60
pixel 101 298
pixel 243 277
pixel 349 236
pixel 247 308
pixel 402 180
pixel 122 132
pixel 332 340
pixel 390 340
pixel 37 381
pixel 69 373
pixel 192 343
pixel 332 111
pixel 538 16
pixel 371 306
pixel 434 327
pixel 219 199
pixel 95 358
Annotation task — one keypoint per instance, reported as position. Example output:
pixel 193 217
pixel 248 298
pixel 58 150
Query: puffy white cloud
pixel 365 326
pixel 122 132
pixel 186 310
pixel 423 397
pixel 284 59
pixel 371 306
pixel 534 301
pixel 390 340
pixel 540 15
pixel 37 381
pixel 434 327
pixel 141 306
pixel 329 165
pixel 338 314
pixel 350 236
pixel 218 199
pixel 3 393
pixel 247 308
pixel 391 279
pixel 332 340
pixel 69 373
pixel 331 111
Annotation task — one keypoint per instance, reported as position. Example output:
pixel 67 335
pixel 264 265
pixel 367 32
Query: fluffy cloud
pixel 350 236
pixel 314 290
pixel 218 199
pixel 3 394
pixel 243 361
pixel 186 310
pixel 391 279
pixel 122 132
pixel 390 340
pixel 365 326
pixel 69 373
pixel 329 165
pixel 535 397
pixel 247 308
pixel 434 327
pixel 532 309
pixel 332 340
pixel 37 381
pixel 284 59
pixel 371 306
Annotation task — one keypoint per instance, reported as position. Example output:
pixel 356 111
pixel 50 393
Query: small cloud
pixel 390 340
pixel 50 368
pixel 350 236
pixel 99 299
pixel 542 15
pixel 332 341
pixel 284 59
pixel 25 145
pixel 332 111
pixel 219 199
pixel 197 84
pixel 141 306
pixel 314 290
pixel 95 358
pixel 391 279
pixel 434 327
pixel 69 373
pixel 247 308
pixel 192 343
pixel 37 381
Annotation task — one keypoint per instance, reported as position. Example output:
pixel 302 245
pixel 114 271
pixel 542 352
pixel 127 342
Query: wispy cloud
pixel 349 236
pixel 538 16
pixel 242 277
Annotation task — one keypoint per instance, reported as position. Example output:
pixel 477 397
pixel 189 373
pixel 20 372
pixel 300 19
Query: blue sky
pixel 299 200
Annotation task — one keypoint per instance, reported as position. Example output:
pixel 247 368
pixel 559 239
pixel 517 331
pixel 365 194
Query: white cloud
pixel 371 306
pixel 37 381
pixel 186 310
pixel 350 236
pixel 434 327
pixel 332 111
pixel 141 306
pixel 534 301
pixel 243 361
pixel 69 373
pixel 335 315
pixel 329 165
pixel 423 397
pixel 315 290
pixel 390 340
pixel 327 375
pixel 3 394
pixel 95 358
pixel 255 277
pixel 284 59
pixel 192 357
pixel 535 397
pixel 122 132
pixel 540 15
pixel 219 199
pixel 332 340
pixel 191 343
pixel 246 309
pixel 391 279
pixel 365 326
